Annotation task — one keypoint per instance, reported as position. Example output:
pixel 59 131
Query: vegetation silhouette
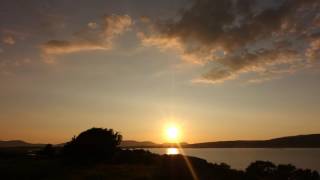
pixel 268 171
pixel 99 149
pixel 95 144
pixel 48 151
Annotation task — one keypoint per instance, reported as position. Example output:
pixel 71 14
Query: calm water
pixel 240 158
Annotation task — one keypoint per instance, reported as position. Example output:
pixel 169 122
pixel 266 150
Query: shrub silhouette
pixel 48 150
pixel 264 170
pixel 285 171
pixel 95 144
pixel 135 156
pixel 261 170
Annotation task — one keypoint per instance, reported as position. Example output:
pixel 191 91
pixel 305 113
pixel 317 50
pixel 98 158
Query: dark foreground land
pixel 29 163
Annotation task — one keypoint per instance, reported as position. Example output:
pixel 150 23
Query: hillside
pixel 132 143
pixel 300 141
pixel 18 143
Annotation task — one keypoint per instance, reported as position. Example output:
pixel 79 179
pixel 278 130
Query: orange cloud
pixel 55 47
pixel 313 51
pixel 115 25
pixel 9 40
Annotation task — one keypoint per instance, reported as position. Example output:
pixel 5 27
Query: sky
pixel 219 70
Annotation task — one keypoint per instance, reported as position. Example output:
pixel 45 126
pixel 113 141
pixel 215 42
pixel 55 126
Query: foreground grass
pixel 32 168
pixel 138 165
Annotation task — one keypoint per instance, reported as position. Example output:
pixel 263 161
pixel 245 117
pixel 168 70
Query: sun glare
pixel 172 133
pixel 172 151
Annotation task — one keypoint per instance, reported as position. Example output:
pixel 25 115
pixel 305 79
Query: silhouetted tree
pixel 94 144
pixel 304 174
pixel 48 150
pixel 264 170
pixel 261 170
pixel 285 171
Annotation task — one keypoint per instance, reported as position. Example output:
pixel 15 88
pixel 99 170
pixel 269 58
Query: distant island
pixel 299 141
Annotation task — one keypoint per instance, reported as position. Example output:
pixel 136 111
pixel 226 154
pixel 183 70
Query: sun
pixel 172 133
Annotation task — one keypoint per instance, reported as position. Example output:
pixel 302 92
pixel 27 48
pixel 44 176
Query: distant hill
pixel 125 143
pixel 132 143
pixel 148 144
pixel 300 141
pixel 18 143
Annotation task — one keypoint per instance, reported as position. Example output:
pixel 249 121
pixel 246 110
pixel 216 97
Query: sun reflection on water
pixel 172 151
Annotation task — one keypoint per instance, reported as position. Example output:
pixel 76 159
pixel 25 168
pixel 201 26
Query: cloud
pixel 115 25
pixel 235 37
pixel 92 37
pixel 313 51
pixel 9 40
pixel 92 25
pixel 215 76
pixel 64 47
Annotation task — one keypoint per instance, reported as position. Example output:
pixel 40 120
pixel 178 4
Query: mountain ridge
pixel 18 143
pixel 297 141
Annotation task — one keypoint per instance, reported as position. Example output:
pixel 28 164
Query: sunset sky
pixel 219 70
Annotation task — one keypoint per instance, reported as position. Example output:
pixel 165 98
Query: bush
pixel 264 170
pixel 48 151
pixel 95 144
pixel 261 170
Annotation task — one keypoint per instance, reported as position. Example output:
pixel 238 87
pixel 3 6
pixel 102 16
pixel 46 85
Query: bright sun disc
pixel 172 133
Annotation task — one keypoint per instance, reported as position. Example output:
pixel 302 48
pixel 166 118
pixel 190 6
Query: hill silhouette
pixel 299 141
pixel 132 143
pixel 18 143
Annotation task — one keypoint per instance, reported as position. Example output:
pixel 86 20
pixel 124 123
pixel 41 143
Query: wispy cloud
pixel 56 47
pixel 9 40
pixel 93 37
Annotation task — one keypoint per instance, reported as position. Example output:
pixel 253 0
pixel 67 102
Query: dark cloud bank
pixel 232 37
